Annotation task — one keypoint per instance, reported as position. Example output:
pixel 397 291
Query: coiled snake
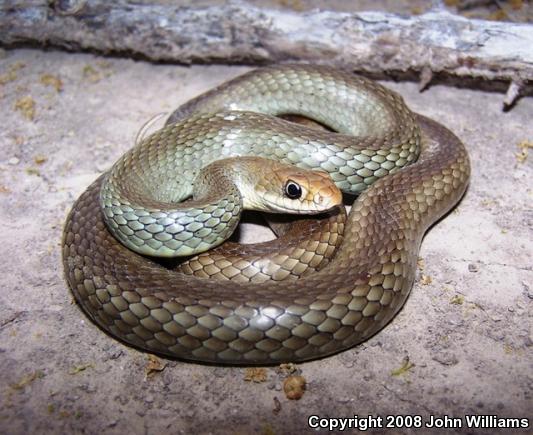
pixel 348 279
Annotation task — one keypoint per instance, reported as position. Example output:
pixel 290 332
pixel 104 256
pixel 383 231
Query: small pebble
pixel 528 290
pixel 102 167
pixel 116 354
pixel 123 400
pixel 473 267
pixel 446 358
pixel 294 387
pixel 167 378
pixel 219 372
pixel 13 161
pixel 345 400
pixel 88 388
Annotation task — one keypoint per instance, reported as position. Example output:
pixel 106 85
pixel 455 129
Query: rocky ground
pixel 466 327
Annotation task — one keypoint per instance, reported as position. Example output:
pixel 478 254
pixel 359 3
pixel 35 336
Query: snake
pixel 406 170
pixel 167 227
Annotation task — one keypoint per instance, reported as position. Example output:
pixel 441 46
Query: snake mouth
pixel 312 204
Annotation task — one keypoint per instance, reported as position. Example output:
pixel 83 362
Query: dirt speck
pixel 26 106
pixel 255 374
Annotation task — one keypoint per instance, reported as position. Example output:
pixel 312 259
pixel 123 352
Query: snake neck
pixel 262 184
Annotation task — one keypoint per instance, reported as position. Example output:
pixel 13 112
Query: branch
pixel 236 32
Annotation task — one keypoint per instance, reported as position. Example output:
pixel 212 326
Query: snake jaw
pixel 312 203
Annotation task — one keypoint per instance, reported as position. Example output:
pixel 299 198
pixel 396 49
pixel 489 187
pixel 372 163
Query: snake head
pixel 298 191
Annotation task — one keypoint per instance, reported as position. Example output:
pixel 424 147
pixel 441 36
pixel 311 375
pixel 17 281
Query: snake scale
pixel 349 278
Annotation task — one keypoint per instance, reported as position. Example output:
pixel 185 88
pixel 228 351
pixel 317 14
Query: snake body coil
pixel 149 304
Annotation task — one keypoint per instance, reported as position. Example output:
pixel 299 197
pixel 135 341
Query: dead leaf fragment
pixel 33 171
pixel 277 406
pixel 524 146
pixel 425 280
pixel 40 159
pixel 19 140
pixel 28 379
pixel 255 374
pixel 451 3
pixel 488 202
pixel 52 81
pixel 420 263
pixel 472 267
pixel 499 15
pixel 295 5
pixel 11 74
pixel 288 369
pixel 90 74
pixel 80 368
pixel 406 366
pixel 457 300
pixel 294 387
pixel 26 105
pixel 104 64
pixel 154 365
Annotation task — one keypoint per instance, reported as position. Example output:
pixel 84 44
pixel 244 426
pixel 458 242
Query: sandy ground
pixel 466 326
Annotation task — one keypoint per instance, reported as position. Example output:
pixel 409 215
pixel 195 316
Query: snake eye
pixel 293 190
